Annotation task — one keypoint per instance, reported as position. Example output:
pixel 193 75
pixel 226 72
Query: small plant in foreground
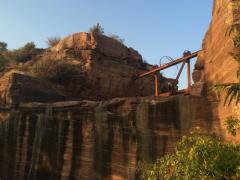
pixel 197 156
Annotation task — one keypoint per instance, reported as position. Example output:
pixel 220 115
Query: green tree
pixel 3 46
pixel 25 53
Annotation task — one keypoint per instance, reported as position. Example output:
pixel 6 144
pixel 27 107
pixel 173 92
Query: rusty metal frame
pixel 183 60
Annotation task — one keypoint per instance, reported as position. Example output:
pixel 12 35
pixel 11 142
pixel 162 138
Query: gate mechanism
pixel 187 56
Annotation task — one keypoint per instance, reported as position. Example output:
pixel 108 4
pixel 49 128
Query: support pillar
pixel 189 76
pixel 156 85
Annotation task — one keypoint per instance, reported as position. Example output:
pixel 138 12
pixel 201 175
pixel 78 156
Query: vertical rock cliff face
pixel 94 140
pixel 215 65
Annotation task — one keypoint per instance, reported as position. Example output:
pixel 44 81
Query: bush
pixel 233 125
pixel 98 29
pixel 197 156
pixel 116 37
pixel 236 41
pixel 3 46
pixel 3 62
pixel 53 41
pixel 58 71
pixel 25 53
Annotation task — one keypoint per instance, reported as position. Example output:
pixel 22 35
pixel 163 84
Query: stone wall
pixel 215 65
pixel 94 140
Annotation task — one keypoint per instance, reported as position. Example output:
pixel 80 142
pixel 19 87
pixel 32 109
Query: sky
pixel 155 28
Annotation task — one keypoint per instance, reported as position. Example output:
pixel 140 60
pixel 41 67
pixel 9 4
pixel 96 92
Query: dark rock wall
pixel 94 140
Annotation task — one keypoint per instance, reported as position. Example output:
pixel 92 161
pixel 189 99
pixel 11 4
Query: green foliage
pixel 58 71
pixel 53 41
pixel 98 29
pixel 198 156
pixel 25 53
pixel 3 46
pixel 233 125
pixel 3 52
pixel 232 90
pixel 116 37
pixel 236 41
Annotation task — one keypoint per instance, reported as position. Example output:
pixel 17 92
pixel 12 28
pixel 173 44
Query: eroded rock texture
pixel 94 140
pixel 109 67
pixel 215 64
pixel 18 88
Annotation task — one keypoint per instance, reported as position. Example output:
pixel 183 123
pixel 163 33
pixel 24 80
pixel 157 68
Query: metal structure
pixel 187 56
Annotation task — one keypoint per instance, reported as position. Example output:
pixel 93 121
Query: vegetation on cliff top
pixel 98 29
pixel 53 41
pixel 59 71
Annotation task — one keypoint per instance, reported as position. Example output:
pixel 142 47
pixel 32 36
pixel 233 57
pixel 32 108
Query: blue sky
pixel 155 28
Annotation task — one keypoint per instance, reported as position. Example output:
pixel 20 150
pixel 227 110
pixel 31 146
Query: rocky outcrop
pixel 109 67
pixel 94 140
pixel 215 65
pixel 19 88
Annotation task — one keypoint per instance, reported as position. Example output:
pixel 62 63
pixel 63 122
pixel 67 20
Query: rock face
pixel 109 67
pixel 105 66
pixel 94 140
pixel 19 88
pixel 215 65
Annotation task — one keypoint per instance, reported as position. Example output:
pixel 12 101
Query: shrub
pixel 233 125
pixel 53 41
pixel 116 37
pixel 3 46
pixel 98 29
pixel 3 62
pixel 25 53
pixel 198 156
pixel 236 41
pixel 58 71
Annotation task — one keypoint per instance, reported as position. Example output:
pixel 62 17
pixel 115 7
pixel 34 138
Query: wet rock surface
pixel 94 140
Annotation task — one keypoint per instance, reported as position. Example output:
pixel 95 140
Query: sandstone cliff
pixel 105 69
pixel 109 67
pixel 105 139
pixel 215 65
pixel 94 140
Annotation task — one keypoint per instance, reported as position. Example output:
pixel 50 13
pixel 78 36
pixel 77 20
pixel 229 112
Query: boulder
pixel 197 76
pixel 200 62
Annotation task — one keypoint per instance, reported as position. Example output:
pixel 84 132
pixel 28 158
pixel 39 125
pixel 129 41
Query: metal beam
pixel 180 71
pixel 189 75
pixel 156 84
pixel 177 61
